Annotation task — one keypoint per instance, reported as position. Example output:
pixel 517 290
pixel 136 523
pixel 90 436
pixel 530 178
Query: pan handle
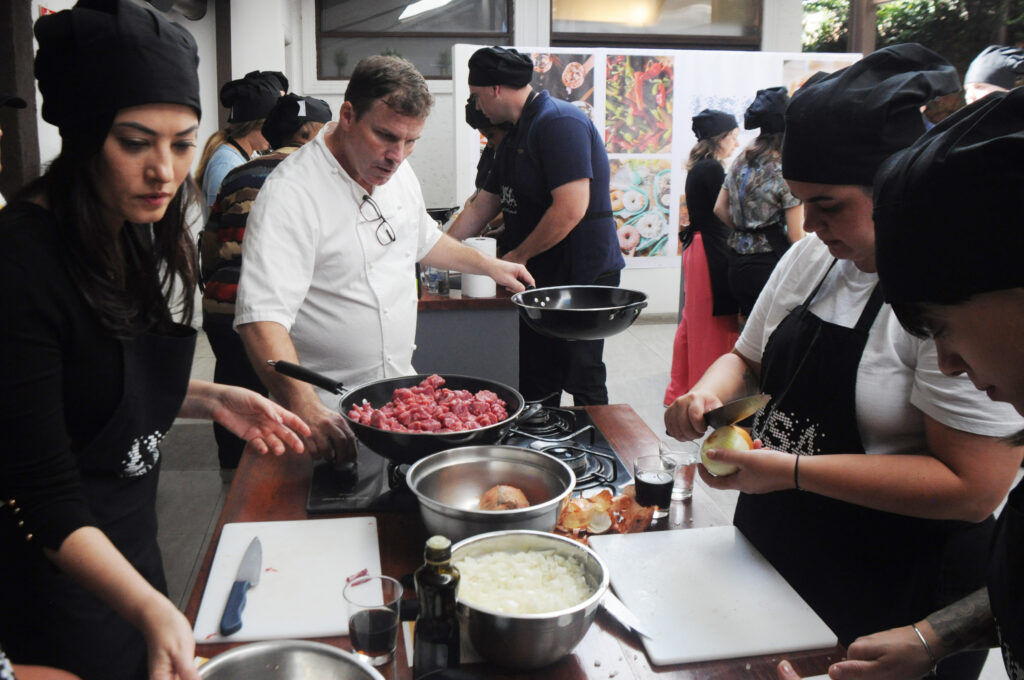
pixel 305 375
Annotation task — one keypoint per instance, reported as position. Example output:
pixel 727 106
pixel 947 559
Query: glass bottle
pixel 436 635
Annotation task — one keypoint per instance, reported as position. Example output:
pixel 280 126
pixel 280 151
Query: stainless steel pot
pixel 287 660
pixel 408 447
pixel 529 641
pixel 449 485
pixel 579 312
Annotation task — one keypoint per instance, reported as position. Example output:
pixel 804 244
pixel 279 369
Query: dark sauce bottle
pixel 436 636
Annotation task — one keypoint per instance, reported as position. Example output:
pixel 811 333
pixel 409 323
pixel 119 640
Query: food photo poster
pixel 642 102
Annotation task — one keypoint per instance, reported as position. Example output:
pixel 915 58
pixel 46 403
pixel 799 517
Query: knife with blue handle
pixel 247 577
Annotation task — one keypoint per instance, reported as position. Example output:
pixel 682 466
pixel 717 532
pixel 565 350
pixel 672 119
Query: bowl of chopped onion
pixel 526 598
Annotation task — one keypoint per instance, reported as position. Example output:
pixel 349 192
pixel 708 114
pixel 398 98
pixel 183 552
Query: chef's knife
pixel 247 577
pixel 737 410
pixel 621 613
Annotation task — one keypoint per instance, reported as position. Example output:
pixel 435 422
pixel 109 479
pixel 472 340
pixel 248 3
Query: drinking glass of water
pixel 373 617
pixel 686 456
pixel 653 477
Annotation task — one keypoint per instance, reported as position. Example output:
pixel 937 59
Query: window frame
pixel 485 37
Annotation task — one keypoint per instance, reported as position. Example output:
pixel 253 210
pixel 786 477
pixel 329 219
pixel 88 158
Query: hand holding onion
pixel 748 467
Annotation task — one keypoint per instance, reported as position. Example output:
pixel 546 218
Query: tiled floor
pixel 191 493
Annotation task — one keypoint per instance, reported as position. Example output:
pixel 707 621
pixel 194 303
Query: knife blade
pixel 736 410
pixel 618 609
pixel 248 576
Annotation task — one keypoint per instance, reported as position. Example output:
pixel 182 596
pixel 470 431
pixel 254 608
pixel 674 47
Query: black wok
pixel 408 447
pixel 579 312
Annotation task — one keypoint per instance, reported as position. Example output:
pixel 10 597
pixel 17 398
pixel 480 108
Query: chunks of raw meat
pixel 431 407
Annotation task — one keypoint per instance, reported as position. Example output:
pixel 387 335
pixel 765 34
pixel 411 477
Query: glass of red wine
pixel 653 477
pixel 373 617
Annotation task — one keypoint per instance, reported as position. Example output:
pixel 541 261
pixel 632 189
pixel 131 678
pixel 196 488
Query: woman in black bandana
pixel 874 490
pixel 968 294
pixel 93 368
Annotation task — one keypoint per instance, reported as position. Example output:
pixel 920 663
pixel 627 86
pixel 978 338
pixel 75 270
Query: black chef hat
pixel 105 55
pixel 12 101
pixel 997 65
pixel 711 122
pixel 291 112
pixel 500 66
pixel 768 111
pixel 249 98
pixel 948 209
pixel 275 78
pixel 841 127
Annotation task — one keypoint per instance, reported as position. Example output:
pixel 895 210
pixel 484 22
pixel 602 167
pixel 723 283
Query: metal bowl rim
pixel 307 645
pixel 412 479
pixel 591 601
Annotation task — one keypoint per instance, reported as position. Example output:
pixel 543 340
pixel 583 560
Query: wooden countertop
pixel 273 488
pixel 432 302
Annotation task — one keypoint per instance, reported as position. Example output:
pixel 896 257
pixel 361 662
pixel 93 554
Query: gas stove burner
pixel 592 468
pixel 550 424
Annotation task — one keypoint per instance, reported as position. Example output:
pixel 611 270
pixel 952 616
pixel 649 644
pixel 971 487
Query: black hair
pixel 126 276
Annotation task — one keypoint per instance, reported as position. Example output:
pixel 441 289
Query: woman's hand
pixel 169 641
pixel 684 418
pixel 264 425
pixel 760 470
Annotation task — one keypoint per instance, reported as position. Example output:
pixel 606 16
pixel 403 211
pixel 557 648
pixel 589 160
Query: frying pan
pixel 579 312
pixel 408 447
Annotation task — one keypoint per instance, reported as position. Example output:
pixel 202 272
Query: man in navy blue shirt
pixel 550 181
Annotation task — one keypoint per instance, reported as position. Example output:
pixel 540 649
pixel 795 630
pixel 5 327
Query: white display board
pixel 645 121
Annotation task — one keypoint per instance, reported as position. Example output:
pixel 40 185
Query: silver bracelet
pixel 927 648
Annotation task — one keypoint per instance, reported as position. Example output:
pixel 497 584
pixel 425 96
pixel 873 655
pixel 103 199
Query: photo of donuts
pixel 638 104
pixel 641 193
pixel 569 77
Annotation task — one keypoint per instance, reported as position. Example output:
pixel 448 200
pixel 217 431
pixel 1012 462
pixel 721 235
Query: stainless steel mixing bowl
pixel 287 660
pixel 449 484
pixel 529 641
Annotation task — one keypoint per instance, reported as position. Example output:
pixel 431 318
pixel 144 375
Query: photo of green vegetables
pixel 638 104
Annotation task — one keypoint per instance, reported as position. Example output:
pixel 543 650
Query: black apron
pixel 521 212
pixel 65 626
pixel 1005 576
pixel 862 570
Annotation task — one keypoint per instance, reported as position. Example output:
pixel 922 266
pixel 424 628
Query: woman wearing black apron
pixel 93 369
pixel 869 541
pixel 969 295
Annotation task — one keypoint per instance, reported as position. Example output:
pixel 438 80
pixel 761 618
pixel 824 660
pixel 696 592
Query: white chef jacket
pixel 898 377
pixel 311 263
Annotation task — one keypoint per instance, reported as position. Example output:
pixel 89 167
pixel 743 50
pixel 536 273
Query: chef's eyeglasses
pixel 371 213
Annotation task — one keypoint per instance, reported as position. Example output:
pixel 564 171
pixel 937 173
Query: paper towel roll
pixel 478 285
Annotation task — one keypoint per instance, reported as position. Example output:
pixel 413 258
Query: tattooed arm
pixel 898 654
pixel 965 624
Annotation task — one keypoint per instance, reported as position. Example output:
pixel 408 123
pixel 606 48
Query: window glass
pixel 621 21
pixel 423 32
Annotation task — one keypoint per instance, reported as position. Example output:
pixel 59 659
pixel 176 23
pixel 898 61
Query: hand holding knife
pixel 248 576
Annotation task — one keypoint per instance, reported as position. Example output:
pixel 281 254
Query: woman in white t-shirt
pixel 869 541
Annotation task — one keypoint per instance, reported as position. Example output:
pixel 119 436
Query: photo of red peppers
pixel 638 104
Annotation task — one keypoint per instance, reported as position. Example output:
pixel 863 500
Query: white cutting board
pixel 707 594
pixel 305 564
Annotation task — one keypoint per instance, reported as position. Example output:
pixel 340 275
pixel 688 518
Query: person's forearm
pixel 965 624
pixel 721 209
pixel 88 557
pixel 795 223
pixel 480 209
pixel 266 340
pixel 569 204
pixel 729 377
pixel 448 253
